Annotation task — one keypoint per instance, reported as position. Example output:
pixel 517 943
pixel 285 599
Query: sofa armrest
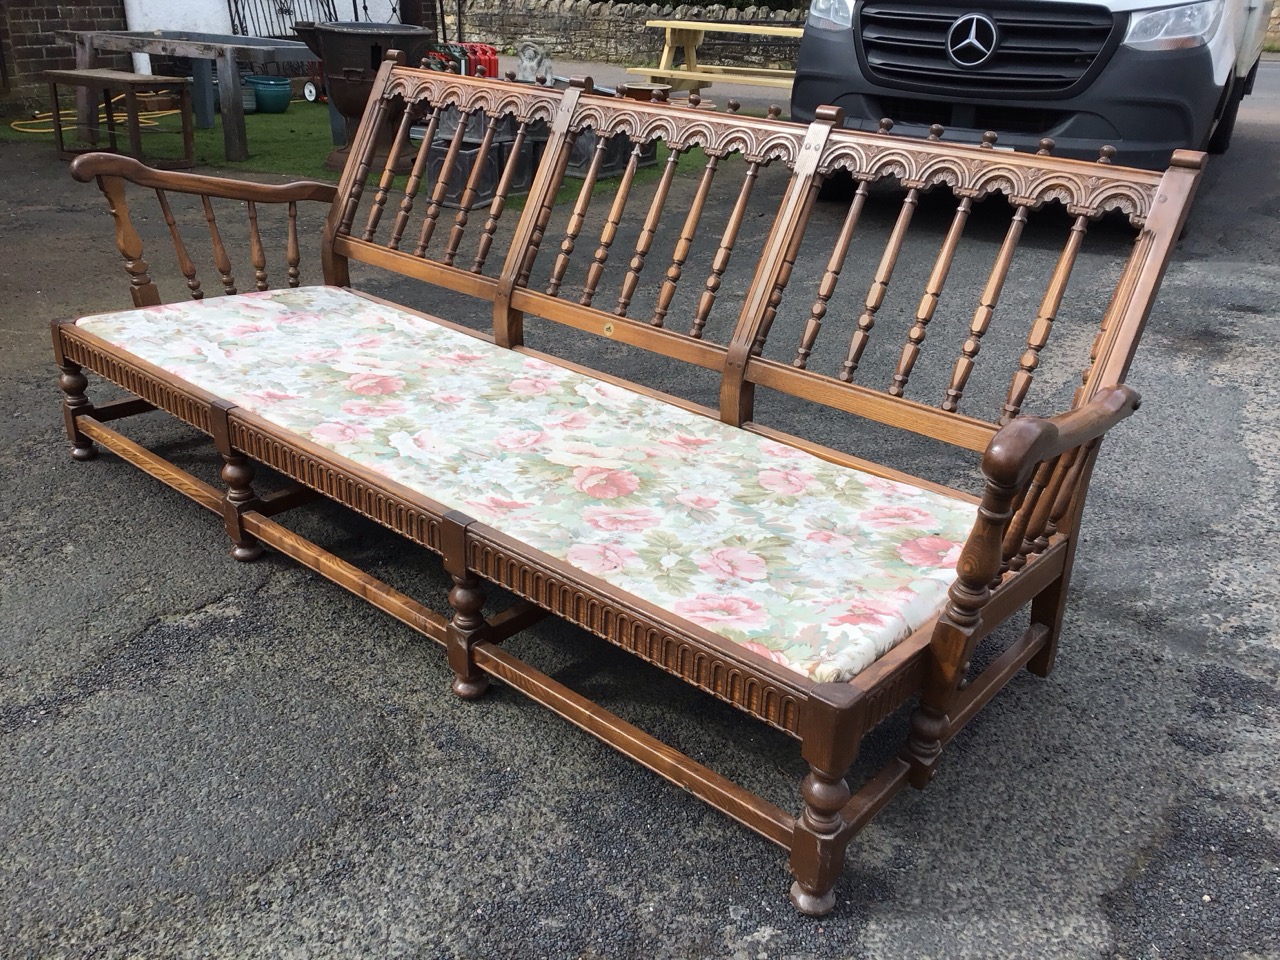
pixel 92 165
pixel 112 172
pixel 1024 443
pixel 1028 464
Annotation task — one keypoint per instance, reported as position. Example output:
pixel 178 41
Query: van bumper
pixel 1146 104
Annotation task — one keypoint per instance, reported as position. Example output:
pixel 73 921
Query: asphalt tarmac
pixel 210 759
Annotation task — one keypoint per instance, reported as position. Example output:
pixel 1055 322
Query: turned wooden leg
pixel 75 403
pixel 924 745
pixel 467 599
pixel 818 846
pixel 237 474
pixel 830 740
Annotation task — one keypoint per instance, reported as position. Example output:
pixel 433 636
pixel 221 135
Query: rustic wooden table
pixel 205 50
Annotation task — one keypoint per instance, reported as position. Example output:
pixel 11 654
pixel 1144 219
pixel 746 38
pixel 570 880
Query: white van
pixel 1145 79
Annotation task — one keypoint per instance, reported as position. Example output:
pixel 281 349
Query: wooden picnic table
pixel 687 35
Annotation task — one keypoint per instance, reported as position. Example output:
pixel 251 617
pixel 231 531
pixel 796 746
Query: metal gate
pixel 275 18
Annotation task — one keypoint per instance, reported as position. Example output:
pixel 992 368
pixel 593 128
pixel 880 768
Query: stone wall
pixel 29 47
pixel 615 32
pixel 611 32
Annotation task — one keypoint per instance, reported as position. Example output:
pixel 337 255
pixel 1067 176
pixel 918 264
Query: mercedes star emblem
pixel 971 41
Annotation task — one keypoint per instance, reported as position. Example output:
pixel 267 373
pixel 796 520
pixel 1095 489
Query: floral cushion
pixel 815 566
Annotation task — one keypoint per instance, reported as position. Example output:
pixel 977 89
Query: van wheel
pixel 1220 139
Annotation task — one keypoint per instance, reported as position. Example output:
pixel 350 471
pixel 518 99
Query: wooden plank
pixel 898 412
pixel 148 462
pixel 701 74
pixel 622 329
pixel 750 810
pixel 406 264
pixel 366 586
pixel 721 26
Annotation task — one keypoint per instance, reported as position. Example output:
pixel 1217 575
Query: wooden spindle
pixel 141 288
pixel 784 270
pixel 376 110
pixel 929 302
pixel 720 263
pixel 1070 484
pixel 500 198
pixel 1015 535
pixel 827 286
pixel 442 185
pixel 257 256
pixel 220 258
pixel 645 241
pixel 1040 527
pixel 687 232
pixel 576 219
pixel 879 286
pixel 292 255
pixel 544 213
pixel 415 180
pixel 470 191
pixel 1043 326
pixel 610 230
pixel 388 175
pixel 981 321
pixel 185 263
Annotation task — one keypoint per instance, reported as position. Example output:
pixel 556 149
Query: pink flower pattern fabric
pixel 804 563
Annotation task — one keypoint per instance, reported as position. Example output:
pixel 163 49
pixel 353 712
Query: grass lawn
pixel 294 143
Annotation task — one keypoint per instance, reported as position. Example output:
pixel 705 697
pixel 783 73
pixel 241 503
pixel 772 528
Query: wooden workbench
pixel 103 81
pixel 686 35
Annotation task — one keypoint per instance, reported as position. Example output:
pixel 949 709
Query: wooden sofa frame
pixel 1037 470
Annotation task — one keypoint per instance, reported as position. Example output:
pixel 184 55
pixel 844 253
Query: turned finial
pixel 511 76
pixel 1046 147
pixel 733 106
pixel 694 100
pixel 540 79
pixel 659 96
pixel 480 70
pixel 1106 153
pixel 774 111
pixel 989 139
pixel 620 91
pixel 936 131
pixel 885 125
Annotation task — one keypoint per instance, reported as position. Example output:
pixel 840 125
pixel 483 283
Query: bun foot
pixel 245 552
pixel 811 905
pixel 471 689
pixel 87 452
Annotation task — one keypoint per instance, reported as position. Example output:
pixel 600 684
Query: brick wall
pixel 29 46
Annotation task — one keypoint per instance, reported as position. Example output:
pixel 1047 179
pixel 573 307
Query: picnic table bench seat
pixel 817 589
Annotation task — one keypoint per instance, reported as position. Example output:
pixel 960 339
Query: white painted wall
pixel 213 16
pixel 198 16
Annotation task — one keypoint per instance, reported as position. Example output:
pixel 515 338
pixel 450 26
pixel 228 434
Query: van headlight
pixel 831 14
pixel 1173 28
